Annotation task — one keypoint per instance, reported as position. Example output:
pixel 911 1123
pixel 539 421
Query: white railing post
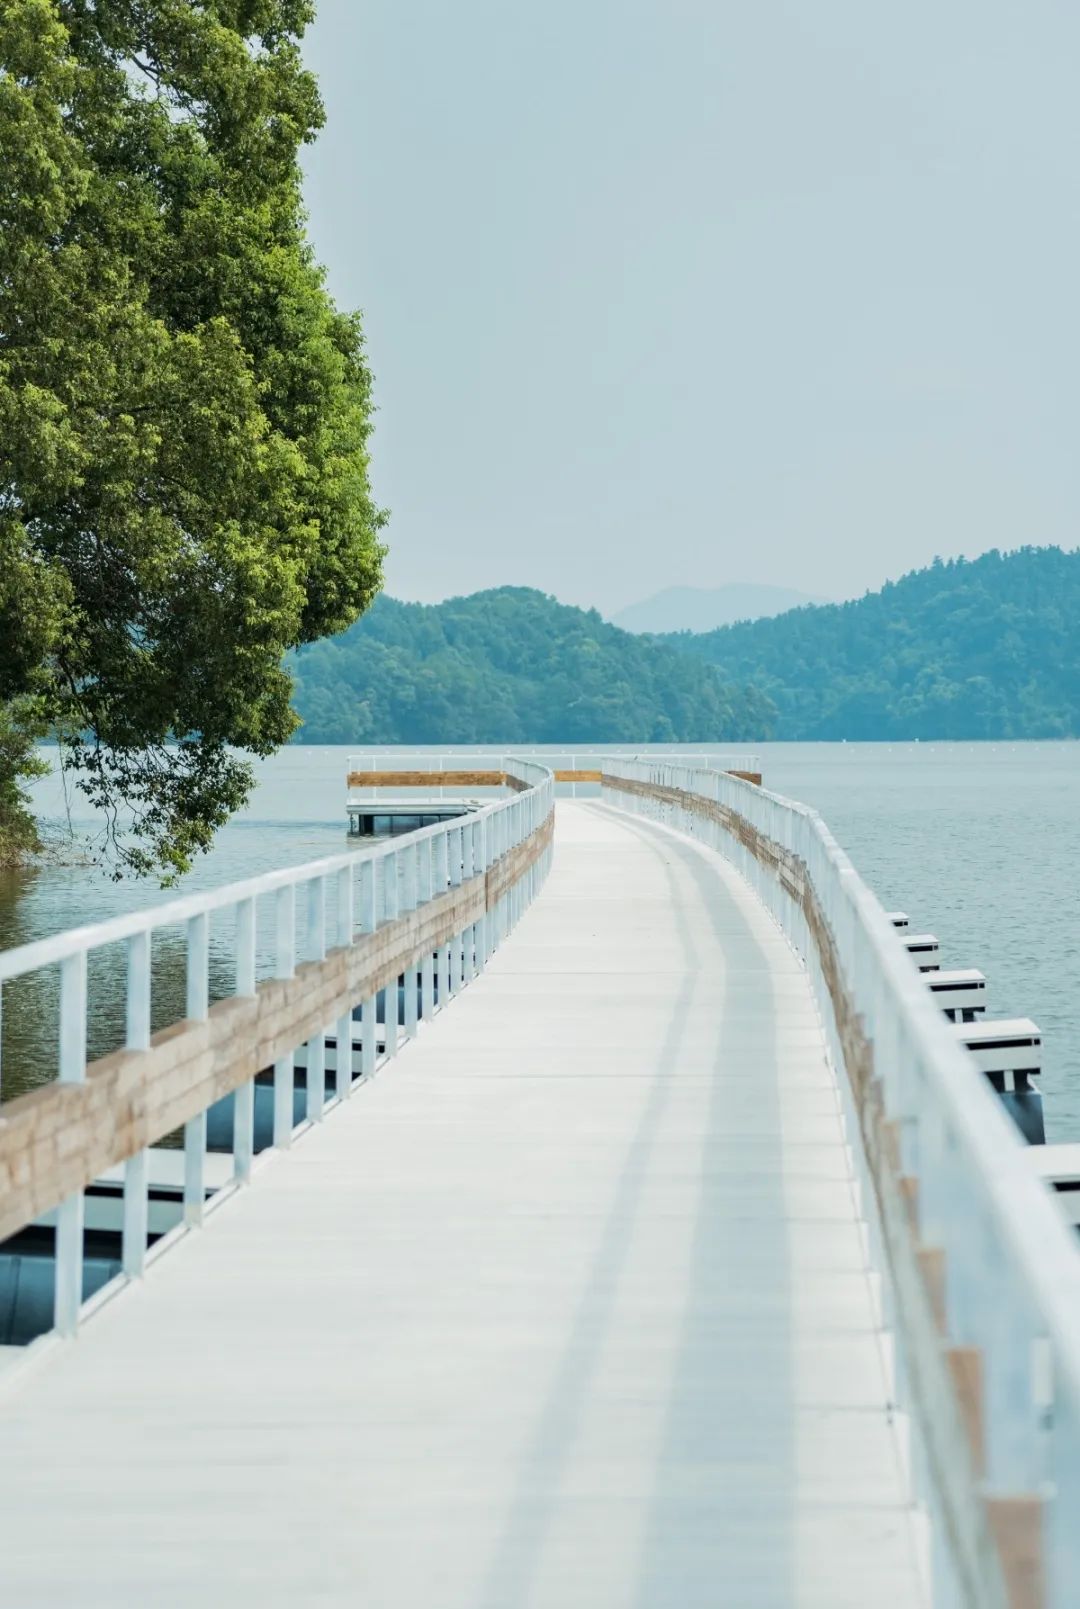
pixel 344 1030
pixel 284 967
pixel 427 893
pixel 67 1290
pixel 410 900
pixel 315 1055
pixel 456 854
pixel 244 1095
pixel 346 903
pixel 468 937
pixel 368 917
pixel 391 906
pixel 316 1045
pixel 483 927
pixel 494 915
pixel 197 1007
pixel 520 829
pixel 368 921
pixel 136 1176
pixel 442 883
pixel 317 918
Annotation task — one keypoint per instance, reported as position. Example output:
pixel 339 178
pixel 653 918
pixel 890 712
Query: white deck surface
pixel 567 1309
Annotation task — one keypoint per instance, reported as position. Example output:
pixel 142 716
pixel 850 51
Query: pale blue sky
pixel 687 292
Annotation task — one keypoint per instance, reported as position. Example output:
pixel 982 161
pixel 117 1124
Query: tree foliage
pixel 184 414
pixel 510 666
pixel 21 727
pixel 987 648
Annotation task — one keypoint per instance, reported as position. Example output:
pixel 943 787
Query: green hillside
pixel 510 666
pixel 986 648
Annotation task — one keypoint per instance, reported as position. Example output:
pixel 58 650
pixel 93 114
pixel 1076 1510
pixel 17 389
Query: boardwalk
pixel 568 1309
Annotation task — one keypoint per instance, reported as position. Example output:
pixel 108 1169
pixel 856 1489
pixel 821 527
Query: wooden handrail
pixel 479 779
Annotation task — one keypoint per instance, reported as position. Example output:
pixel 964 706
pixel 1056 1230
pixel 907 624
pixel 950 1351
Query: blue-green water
pixel 980 843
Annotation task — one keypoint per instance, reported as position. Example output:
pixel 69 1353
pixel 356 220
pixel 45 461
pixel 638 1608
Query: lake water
pixel 980 843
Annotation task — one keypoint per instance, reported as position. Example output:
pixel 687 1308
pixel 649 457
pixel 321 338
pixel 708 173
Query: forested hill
pixel 986 648
pixel 510 666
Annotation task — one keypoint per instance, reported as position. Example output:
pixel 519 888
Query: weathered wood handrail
pixel 431 779
pixel 481 778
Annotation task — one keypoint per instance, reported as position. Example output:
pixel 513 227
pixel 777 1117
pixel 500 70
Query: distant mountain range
pixel 987 648
pixel 981 648
pixel 510 666
pixel 705 608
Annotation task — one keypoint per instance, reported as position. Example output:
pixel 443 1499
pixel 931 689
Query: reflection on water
pixel 979 842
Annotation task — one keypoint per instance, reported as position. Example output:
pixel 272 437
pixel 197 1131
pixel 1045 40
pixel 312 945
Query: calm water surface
pixel 980 843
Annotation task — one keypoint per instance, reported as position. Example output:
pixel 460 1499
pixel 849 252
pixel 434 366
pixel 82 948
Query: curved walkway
pixel 568 1309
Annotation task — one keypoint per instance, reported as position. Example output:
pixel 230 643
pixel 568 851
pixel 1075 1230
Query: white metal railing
pixel 346 896
pixel 1009 1267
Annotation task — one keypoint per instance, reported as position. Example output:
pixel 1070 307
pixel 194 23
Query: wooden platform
pixel 480 778
pixel 568 1309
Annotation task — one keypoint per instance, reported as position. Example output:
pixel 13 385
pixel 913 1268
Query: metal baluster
pixel 198 1004
pixel 344 1029
pixel 316 1048
pixel 67 1290
pixel 369 921
pixel 369 1035
pixel 502 909
pixel 284 967
pixel 427 893
pixel 456 854
pixel 345 906
pixel 368 917
pixel 317 918
pixel 480 868
pixel 480 874
pixel 244 1096
pixel 512 839
pixel 390 994
pixel 410 882
pixel 468 872
pixel 442 883
pixel 136 1169
pixel 316 1077
pixel 487 840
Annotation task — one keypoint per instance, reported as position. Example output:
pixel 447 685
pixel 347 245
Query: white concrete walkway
pixel 566 1310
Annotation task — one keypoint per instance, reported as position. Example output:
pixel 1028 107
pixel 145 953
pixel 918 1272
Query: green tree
pixel 21 726
pixel 184 414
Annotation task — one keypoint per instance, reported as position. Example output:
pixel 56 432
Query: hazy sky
pixel 695 291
